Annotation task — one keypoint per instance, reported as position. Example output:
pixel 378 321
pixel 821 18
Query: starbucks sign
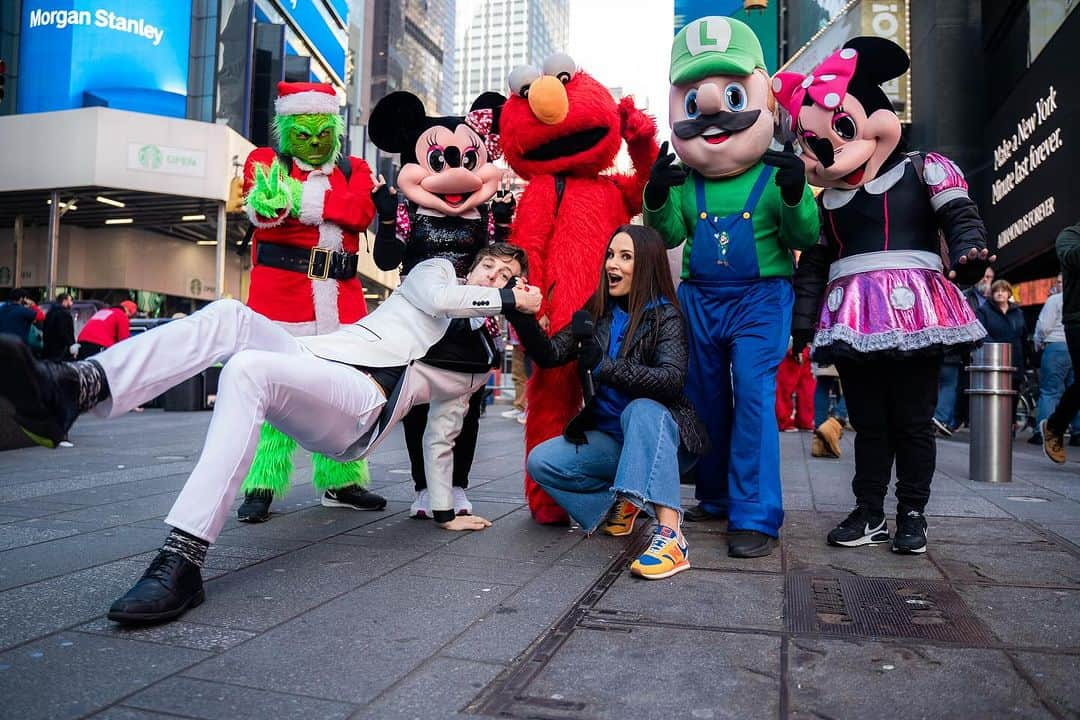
pixel 149 157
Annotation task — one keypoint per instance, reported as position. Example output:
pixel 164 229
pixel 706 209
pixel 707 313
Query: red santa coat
pixel 334 211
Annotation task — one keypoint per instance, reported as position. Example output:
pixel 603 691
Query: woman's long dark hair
pixel 651 280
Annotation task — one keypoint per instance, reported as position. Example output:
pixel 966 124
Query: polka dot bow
pixel 827 84
pixel 481 121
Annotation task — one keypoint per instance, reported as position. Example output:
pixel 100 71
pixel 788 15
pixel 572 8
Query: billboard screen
pixel 125 54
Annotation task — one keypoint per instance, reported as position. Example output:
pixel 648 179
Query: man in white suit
pixel 338 394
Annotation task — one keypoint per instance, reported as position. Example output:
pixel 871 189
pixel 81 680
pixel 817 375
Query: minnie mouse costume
pixel 889 313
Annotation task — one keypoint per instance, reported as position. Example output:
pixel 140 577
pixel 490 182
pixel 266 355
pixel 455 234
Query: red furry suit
pixel 560 130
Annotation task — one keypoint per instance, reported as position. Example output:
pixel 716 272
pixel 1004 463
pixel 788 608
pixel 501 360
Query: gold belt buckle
pixel 315 252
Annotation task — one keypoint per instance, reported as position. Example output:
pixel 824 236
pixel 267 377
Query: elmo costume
pixel 560 130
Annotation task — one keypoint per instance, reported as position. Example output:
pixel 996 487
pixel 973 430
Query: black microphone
pixel 583 327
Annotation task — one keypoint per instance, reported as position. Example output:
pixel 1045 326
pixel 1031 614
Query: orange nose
pixel 547 98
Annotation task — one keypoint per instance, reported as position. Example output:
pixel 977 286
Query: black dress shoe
pixel 169 587
pixel 749 544
pixel 45 393
pixel 355 497
pixel 697 513
pixel 1035 439
pixel 256 507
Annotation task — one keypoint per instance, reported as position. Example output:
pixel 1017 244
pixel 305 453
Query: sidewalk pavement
pixel 329 613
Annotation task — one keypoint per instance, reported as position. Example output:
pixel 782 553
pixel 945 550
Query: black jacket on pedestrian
pixel 59 331
pixel 652 364
pixel 1068 252
pixel 1005 327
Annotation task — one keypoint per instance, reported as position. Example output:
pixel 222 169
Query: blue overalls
pixel 739 324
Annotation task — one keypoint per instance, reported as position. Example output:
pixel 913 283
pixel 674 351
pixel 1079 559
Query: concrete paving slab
pixel 180 633
pixel 435 690
pixel 445 563
pixel 1055 677
pixel 195 698
pixel 835 679
pixel 262 596
pixel 22 532
pixel 70 674
pixel 1036 562
pixel 615 675
pixel 699 598
pixel 508 629
pixel 517 537
pixel 817 558
pixel 124 713
pixel 1028 617
pixel 1066 531
pixel 29 564
pixel 374 636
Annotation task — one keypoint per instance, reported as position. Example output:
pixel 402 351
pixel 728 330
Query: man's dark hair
pixel 503 251
pixel 62 297
pixel 17 295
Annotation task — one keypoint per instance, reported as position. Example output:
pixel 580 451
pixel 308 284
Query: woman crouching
pixel 625 451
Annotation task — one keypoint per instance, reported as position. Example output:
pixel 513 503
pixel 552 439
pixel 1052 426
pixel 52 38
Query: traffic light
pixel 235 203
pixel 3 76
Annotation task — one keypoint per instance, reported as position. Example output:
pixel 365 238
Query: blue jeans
pixel 587 479
pixel 948 380
pixel 1055 374
pixel 822 409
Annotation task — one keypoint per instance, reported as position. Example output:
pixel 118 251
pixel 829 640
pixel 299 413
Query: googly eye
pixel 844 125
pixel 436 160
pixel 561 66
pixel 690 105
pixel 735 97
pixel 470 159
pixel 521 78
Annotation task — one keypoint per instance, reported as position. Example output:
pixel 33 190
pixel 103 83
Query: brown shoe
pixel 818 449
pixel 1053 443
pixel 830 433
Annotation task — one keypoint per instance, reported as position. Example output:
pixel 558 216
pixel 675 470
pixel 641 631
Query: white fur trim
pixel 313 198
pixel 262 223
pixel 307 103
pixel 327 167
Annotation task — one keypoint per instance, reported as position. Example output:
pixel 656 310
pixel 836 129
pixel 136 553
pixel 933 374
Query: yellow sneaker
pixel 621 520
pixel 664 557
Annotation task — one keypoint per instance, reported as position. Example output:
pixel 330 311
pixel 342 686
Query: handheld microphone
pixel 582 328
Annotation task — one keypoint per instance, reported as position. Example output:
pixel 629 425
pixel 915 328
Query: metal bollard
pixel 990 413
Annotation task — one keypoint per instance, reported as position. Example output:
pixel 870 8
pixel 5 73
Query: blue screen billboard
pixel 125 54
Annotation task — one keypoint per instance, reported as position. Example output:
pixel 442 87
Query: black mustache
pixel 726 121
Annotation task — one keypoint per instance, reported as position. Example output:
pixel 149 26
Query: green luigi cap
pixel 714 45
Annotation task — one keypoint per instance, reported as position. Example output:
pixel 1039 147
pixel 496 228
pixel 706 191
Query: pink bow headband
pixel 827 84
pixel 481 121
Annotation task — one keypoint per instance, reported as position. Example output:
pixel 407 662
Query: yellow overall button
pixel 746 216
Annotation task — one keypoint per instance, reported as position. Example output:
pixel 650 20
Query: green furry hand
pixel 273 191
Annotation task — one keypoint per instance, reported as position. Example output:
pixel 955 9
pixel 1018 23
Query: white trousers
pixel 325 406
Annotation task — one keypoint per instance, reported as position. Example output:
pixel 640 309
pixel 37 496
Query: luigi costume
pixel 741 210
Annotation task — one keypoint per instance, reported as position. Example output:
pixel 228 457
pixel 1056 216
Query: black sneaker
pixel 256 506
pixel 355 497
pixel 910 533
pixel 863 526
pixel 169 587
pixel 45 393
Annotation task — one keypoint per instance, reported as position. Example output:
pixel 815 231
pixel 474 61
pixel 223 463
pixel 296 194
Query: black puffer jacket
pixel 652 364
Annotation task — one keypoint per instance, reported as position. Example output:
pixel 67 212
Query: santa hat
pixel 306 98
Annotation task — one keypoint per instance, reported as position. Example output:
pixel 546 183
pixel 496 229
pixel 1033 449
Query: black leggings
pixel 890 403
pixel 1069 404
pixel 464 447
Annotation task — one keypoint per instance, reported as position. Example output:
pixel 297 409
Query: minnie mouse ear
pixel 879 60
pixel 396 122
pixel 490 101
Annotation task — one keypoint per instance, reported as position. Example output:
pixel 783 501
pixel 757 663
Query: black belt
pixel 317 263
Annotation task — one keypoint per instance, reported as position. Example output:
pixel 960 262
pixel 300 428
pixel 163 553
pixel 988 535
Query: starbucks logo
pixel 150 157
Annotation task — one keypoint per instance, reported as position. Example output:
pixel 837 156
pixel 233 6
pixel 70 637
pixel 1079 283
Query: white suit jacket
pixel 400 332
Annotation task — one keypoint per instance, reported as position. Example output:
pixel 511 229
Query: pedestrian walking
pixel 519 363
pixel 625 451
pixel 1056 371
pixel 1053 427
pixel 1004 323
pixel 59 330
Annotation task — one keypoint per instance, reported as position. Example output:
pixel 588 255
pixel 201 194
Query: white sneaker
pixel 66 444
pixel 462 506
pixel 511 414
pixel 521 418
pixel 421 506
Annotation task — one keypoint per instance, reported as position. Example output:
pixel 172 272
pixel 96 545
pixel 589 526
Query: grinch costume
pixel 308 206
